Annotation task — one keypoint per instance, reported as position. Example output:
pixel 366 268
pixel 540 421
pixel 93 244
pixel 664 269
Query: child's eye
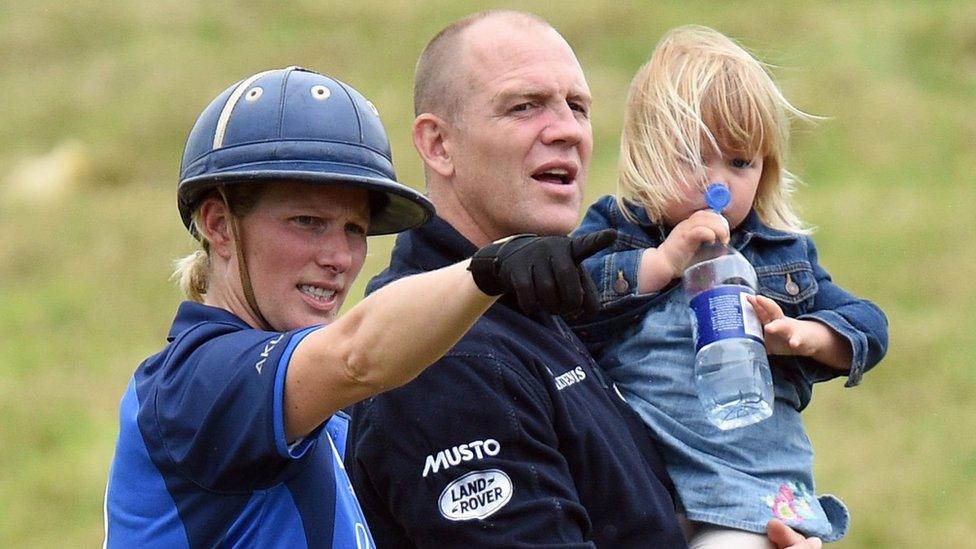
pixel 740 163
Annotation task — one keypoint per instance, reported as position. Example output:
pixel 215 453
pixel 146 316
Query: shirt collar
pixel 434 245
pixel 191 314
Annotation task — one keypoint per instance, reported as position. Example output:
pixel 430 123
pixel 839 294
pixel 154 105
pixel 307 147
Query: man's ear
pixel 216 227
pixel 430 138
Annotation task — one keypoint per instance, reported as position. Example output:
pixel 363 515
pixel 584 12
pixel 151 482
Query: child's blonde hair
pixel 699 88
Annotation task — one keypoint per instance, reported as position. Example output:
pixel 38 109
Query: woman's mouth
pixel 317 293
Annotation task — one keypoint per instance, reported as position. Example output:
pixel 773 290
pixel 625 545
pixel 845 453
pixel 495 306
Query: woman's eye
pixel 355 229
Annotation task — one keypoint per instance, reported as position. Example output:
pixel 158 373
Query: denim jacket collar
pixel 751 227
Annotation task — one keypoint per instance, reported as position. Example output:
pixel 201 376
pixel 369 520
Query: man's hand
pixel 784 537
pixel 542 271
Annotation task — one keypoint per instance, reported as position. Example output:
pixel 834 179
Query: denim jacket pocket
pixel 792 284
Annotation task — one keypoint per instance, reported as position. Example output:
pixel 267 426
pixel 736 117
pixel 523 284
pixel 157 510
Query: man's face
pixel 521 142
pixel 304 245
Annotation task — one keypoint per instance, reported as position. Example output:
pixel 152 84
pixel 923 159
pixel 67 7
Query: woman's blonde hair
pixel 701 89
pixel 192 273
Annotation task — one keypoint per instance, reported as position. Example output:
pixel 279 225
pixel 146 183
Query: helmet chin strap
pixel 252 302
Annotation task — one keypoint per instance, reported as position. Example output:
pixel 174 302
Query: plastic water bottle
pixel 731 368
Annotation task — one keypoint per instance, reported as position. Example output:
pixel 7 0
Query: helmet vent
pixel 254 93
pixel 218 140
pixel 321 92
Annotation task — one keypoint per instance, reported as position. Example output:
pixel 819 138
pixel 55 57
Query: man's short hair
pixel 440 72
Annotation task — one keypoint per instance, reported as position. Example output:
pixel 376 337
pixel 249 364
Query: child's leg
pixel 722 538
pixel 710 536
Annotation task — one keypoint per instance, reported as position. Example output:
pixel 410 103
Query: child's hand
pixel 703 226
pixel 661 265
pixel 792 337
pixel 783 335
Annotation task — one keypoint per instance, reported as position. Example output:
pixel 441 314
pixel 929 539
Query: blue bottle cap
pixel 717 196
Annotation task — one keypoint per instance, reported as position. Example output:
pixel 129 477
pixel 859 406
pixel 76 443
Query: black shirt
pixel 513 439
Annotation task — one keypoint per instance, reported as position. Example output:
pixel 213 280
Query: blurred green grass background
pixel 97 99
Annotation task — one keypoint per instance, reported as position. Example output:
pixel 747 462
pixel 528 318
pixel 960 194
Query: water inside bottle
pixel 732 387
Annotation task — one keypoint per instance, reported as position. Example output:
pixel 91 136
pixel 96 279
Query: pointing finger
pixel 586 245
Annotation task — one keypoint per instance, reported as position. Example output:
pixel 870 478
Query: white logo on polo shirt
pixel 569 378
pixel 476 449
pixel 362 537
pixel 476 495
pixel 267 351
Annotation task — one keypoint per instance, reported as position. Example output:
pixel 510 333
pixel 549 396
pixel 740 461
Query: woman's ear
pixel 216 227
pixel 430 138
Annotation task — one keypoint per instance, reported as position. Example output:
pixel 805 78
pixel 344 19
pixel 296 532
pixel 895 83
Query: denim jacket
pixel 731 478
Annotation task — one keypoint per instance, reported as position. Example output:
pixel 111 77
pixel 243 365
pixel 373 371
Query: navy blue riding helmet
pixel 294 124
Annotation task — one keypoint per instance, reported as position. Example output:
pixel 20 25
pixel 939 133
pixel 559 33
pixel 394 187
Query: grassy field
pixel 98 98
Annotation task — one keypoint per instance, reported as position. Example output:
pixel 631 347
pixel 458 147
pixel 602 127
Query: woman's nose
pixel 335 253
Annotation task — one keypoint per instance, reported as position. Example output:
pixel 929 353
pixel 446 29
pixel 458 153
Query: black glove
pixel 542 271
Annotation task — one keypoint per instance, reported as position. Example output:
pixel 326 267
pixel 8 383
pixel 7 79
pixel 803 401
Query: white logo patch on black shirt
pixel 476 449
pixel 571 377
pixel 476 495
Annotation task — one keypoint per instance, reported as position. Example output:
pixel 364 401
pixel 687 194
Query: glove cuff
pixel 485 265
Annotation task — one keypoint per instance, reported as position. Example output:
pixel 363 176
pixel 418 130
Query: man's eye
pixel 521 107
pixel 740 163
pixel 306 220
pixel 580 108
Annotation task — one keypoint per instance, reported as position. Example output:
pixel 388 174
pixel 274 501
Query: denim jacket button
pixel 791 287
pixel 621 286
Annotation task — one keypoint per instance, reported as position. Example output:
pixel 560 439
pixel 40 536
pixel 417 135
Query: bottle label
pixel 724 313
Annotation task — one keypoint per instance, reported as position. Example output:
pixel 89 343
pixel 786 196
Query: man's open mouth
pixel 556 176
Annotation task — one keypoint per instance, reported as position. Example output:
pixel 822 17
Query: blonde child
pixel 703 110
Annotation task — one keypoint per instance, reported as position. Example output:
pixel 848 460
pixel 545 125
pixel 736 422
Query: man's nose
pixel 564 127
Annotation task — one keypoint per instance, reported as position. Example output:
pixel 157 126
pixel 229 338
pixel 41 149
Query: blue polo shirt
pixel 513 439
pixel 202 460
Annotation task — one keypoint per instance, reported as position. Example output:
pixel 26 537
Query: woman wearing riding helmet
pixel 233 434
